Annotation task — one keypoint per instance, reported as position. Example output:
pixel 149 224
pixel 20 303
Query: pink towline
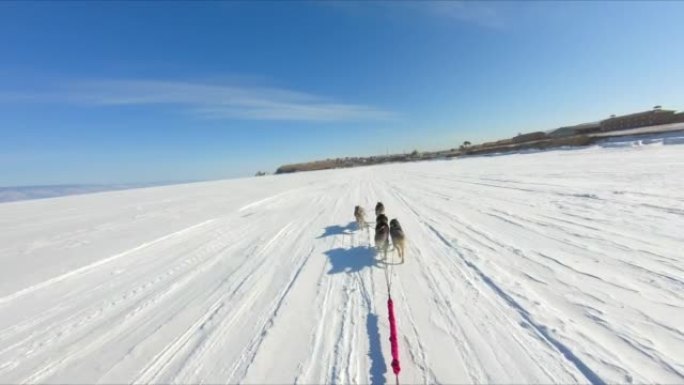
pixel 393 338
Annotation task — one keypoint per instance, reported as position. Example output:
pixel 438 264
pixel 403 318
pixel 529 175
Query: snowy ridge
pixel 553 267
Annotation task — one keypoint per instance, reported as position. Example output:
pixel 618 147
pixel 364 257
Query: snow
pixel 552 267
pixel 654 130
pixel 9 194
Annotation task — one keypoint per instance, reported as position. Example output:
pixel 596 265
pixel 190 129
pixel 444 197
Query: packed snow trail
pixel 554 267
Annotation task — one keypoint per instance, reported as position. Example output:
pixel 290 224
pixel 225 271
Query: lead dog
pixel 398 237
pixel 360 216
pixel 379 209
pixel 382 231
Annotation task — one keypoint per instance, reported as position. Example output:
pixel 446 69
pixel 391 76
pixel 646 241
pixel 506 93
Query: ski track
pixel 554 267
pixel 84 269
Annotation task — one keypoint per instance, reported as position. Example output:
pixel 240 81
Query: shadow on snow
pixel 351 260
pixel 339 230
pixel 378 368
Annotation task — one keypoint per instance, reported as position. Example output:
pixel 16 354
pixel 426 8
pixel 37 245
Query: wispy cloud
pixel 208 101
pixel 480 13
pixel 486 14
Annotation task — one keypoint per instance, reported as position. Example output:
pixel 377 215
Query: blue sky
pixel 125 92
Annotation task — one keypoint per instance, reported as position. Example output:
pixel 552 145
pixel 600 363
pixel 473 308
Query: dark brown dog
pixel 382 235
pixel 379 209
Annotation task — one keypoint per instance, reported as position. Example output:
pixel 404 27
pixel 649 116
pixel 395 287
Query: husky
pixel 382 235
pixel 398 238
pixel 379 209
pixel 382 218
pixel 360 216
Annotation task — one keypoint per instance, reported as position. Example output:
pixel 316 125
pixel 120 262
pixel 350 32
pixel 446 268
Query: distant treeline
pixel 362 161
pixel 578 135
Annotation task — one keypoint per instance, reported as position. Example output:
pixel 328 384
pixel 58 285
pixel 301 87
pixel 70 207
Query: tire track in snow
pixel 418 356
pixel 344 343
pixel 271 310
pixel 316 338
pixel 31 323
pixel 183 343
pixel 238 371
pixel 342 359
pixel 127 321
pixel 248 354
pixel 66 328
pixel 642 349
pixel 495 303
pixel 566 230
pixel 587 353
pixel 215 251
pixel 94 265
pixel 597 251
pixel 341 343
pixel 476 233
pixel 459 337
pixel 165 359
pixel 340 352
pixel 268 199
pixel 416 349
pixel 468 279
pixel 542 330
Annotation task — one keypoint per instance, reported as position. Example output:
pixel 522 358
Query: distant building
pixel 653 117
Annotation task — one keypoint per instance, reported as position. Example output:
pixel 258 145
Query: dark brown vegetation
pixel 494 147
pixel 567 136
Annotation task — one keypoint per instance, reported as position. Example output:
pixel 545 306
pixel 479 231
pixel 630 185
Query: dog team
pixel 383 230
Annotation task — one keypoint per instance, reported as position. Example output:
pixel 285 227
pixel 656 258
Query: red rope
pixel 393 338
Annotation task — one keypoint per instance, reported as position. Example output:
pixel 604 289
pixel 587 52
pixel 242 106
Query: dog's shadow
pixel 339 230
pixel 351 260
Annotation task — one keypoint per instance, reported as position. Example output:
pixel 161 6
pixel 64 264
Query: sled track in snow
pixel 541 329
pixel 92 266
pixel 558 267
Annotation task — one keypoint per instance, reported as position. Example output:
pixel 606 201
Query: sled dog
pixel 360 216
pixel 382 235
pixel 379 209
pixel 398 238
pixel 382 218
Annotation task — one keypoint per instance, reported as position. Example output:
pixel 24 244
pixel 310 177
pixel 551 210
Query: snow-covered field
pixel 10 194
pixel 554 267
